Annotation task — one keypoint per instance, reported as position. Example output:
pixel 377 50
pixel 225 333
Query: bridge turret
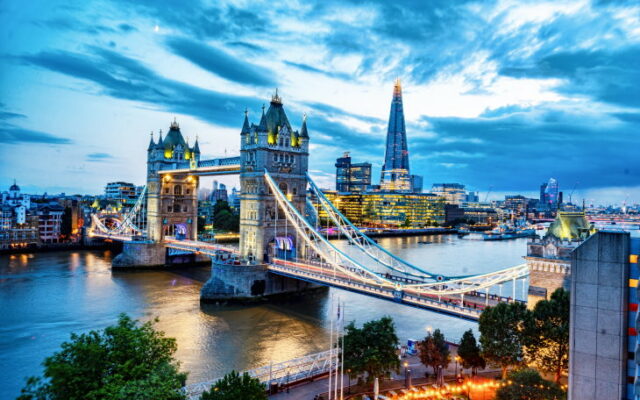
pixel 274 147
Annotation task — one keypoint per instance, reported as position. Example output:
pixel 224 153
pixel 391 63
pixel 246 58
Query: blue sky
pixel 497 94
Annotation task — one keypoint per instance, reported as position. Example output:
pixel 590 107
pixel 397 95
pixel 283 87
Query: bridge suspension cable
pixel 349 267
pixel 133 223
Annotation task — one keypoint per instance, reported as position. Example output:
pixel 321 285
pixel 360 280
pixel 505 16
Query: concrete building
pixel 123 191
pixel 549 257
pixel 604 312
pixel 49 222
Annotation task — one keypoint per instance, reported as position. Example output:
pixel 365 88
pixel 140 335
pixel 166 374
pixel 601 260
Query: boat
pixel 424 242
pixel 508 233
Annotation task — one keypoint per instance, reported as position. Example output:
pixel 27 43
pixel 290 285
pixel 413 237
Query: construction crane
pixel 486 197
pixel 571 194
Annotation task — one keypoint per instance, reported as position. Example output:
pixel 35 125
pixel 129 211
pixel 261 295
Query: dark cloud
pixel 221 63
pixel 6 115
pixel 97 157
pixel 125 78
pixel 127 28
pixel 15 135
pixel 309 68
pixel 248 46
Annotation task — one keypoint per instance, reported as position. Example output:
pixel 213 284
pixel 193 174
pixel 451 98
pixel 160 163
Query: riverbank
pixel 53 247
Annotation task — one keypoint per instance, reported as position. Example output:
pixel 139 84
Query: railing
pixel 285 372
pixel 218 162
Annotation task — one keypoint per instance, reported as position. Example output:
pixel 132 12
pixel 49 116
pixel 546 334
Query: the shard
pixel 395 171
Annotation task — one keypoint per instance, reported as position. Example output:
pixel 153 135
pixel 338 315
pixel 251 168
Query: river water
pixel 46 296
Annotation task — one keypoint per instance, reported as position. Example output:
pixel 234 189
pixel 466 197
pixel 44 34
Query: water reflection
pixel 46 296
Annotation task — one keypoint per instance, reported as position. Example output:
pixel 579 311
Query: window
pixel 185 209
pixel 188 191
pixel 177 190
pixel 295 190
pixel 169 209
pixel 166 190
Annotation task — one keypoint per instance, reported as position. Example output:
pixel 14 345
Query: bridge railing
pixel 219 162
pixel 285 372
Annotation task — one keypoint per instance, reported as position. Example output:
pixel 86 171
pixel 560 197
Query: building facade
pixel 172 199
pixel 352 177
pixel 549 257
pixel 17 227
pixel 453 193
pixel 396 175
pixel 123 191
pixel 603 346
pixel 386 209
pixel 274 146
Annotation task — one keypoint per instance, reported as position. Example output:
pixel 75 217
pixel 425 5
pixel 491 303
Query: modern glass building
pixel 352 177
pixel 389 209
pixel 395 170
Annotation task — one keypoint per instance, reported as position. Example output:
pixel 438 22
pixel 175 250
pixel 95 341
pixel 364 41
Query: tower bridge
pixel 282 249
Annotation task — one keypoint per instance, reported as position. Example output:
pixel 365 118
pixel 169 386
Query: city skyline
pixel 526 95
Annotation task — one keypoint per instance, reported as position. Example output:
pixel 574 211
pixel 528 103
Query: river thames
pixel 46 296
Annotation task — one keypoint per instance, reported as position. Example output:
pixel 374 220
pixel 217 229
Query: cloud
pixel 15 135
pixel 309 68
pixel 98 157
pixel 221 63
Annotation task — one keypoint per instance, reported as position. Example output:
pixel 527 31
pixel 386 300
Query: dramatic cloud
pixel 14 135
pixel 98 157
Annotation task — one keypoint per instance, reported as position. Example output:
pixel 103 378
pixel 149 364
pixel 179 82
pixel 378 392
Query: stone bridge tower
pixel 172 199
pixel 272 145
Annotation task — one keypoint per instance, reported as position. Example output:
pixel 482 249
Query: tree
pixel 371 350
pixel 407 222
pixel 434 351
pixel 547 335
pixel 224 218
pixel 469 353
pixel 125 361
pixel 528 384
pixel 501 330
pixel 233 386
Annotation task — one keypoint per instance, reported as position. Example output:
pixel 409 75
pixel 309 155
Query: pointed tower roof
pixel 245 125
pixel 395 170
pixel 160 145
pixel 196 147
pixel 303 129
pixel 174 137
pixel 262 126
pixel 276 117
pixel 152 145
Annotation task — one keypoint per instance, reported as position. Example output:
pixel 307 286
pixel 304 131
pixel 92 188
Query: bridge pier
pixel 140 255
pixel 249 284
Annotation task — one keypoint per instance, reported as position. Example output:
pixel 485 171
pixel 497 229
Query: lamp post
pixel 457 359
pixel 406 374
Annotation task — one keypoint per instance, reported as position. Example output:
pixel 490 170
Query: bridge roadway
pixel 195 246
pixel 324 274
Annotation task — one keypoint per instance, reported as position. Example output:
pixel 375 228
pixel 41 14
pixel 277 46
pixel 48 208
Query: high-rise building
pixel 123 191
pixel 550 197
pixel 416 183
pixel 351 177
pixel 396 175
pixel 453 193
pixel 603 328
pixel 219 192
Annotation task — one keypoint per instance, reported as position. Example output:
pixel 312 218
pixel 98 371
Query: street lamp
pixel 407 375
pixel 457 360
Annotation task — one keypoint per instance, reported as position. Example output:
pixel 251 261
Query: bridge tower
pixel 172 199
pixel 274 146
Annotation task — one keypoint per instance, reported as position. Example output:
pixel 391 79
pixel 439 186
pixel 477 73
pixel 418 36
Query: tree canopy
pixel 224 218
pixel 528 384
pixel 372 349
pixel 434 350
pixel 501 330
pixel 125 361
pixel 234 386
pixel 547 335
pixel 469 353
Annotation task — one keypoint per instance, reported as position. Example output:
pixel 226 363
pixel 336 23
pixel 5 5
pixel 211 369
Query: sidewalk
pixel 307 391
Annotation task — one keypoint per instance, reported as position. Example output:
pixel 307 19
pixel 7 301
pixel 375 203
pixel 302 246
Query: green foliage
pixel 233 387
pixel 407 222
pixel 469 353
pixel 224 218
pixel 434 351
pixel 547 335
pixel 501 334
pixel 371 349
pixel 528 384
pixel 202 221
pixel 125 361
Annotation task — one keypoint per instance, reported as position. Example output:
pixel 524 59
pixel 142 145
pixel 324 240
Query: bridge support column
pixel 249 284
pixel 140 255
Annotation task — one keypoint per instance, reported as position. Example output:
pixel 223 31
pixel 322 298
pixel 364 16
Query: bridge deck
pixel 198 247
pixel 316 273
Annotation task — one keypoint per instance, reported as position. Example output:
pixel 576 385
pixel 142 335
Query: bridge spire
pixel 303 129
pixel 151 143
pixel 263 122
pixel 196 148
pixel 160 139
pixel 245 125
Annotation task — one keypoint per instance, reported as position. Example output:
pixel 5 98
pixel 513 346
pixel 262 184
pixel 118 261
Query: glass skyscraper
pixel 395 171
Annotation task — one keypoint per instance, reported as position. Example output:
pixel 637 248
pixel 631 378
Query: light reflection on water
pixel 46 296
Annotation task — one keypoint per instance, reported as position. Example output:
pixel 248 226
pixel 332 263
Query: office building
pixel 352 177
pixel 416 183
pixel 123 191
pixel 386 209
pixel 219 192
pixel 395 174
pixel 453 193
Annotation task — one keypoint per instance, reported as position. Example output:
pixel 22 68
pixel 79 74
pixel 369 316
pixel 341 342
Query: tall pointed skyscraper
pixel 395 171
